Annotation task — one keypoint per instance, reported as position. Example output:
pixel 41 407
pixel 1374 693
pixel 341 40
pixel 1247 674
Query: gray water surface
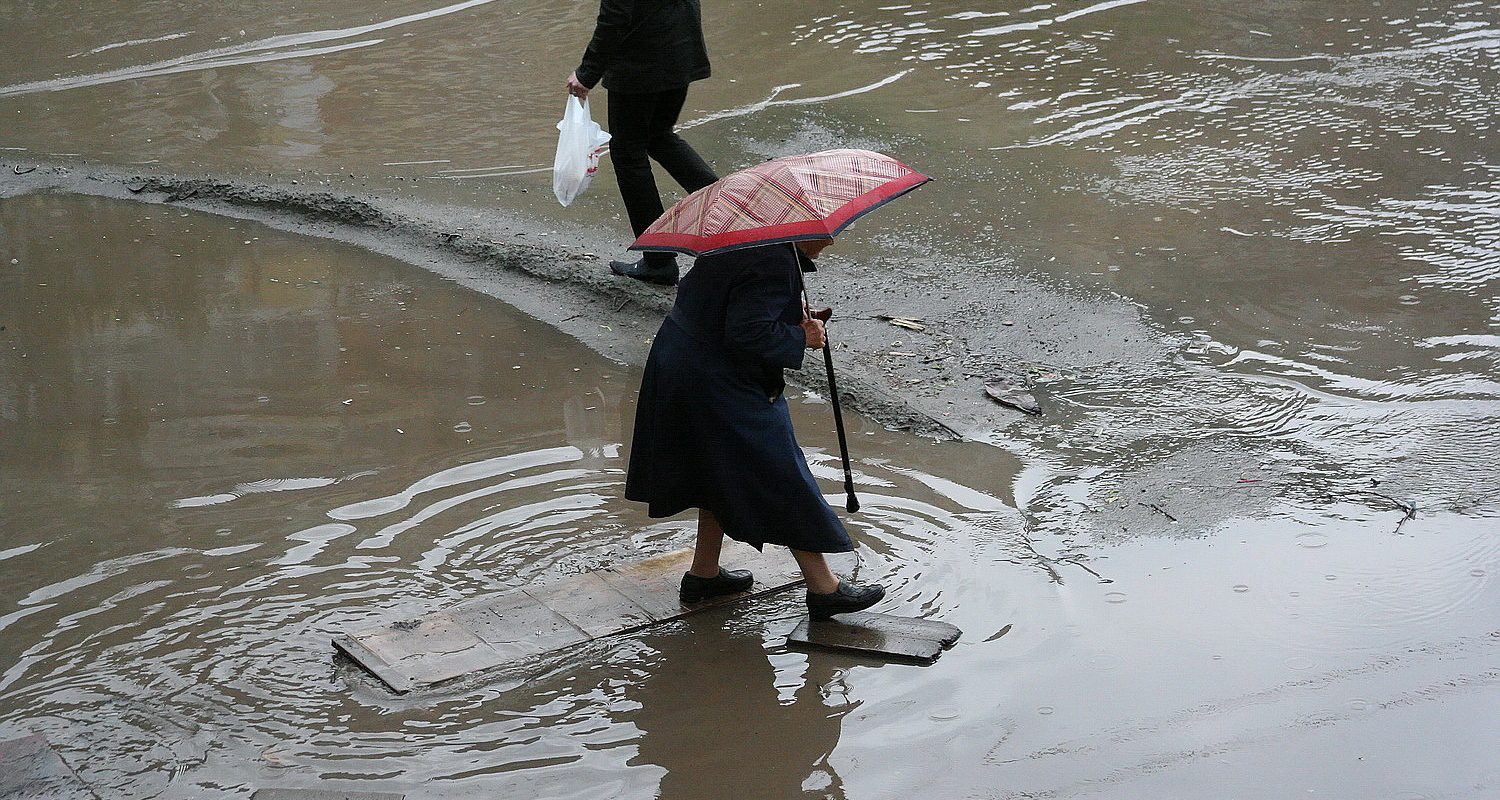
pixel 1202 550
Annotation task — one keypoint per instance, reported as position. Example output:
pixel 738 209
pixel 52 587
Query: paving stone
pixel 882 635
pixel 31 770
pixel 490 632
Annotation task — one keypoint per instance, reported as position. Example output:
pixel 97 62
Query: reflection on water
pixel 720 719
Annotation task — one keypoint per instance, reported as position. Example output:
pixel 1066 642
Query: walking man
pixel 647 52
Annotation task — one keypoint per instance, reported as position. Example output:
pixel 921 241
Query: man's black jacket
pixel 645 46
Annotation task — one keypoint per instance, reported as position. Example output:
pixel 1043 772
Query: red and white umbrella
pixel 812 196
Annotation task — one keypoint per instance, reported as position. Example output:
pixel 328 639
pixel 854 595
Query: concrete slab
pixel 321 794
pixel 483 634
pixel 879 635
pixel 31 770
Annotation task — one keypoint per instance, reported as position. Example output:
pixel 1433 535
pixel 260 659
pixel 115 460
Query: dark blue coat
pixel 712 429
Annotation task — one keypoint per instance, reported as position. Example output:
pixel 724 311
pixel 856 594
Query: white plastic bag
pixel 580 143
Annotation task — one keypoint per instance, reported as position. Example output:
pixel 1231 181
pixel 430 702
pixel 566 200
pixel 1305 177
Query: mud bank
pixel 927 381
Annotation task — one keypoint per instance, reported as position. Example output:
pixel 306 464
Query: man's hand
pixel 575 88
pixel 812 330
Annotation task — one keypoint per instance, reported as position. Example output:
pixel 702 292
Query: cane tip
pixel 853 504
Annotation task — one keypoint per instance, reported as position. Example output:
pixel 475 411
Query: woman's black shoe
pixel 848 597
pixel 729 581
pixel 665 275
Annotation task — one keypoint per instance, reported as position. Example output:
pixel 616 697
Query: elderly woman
pixel 713 432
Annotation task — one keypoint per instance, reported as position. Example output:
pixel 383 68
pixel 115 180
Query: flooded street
pixel 1247 252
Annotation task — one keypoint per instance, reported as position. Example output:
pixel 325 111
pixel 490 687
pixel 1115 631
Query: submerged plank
pixel 873 634
pixel 483 634
pixel 31 770
pixel 322 794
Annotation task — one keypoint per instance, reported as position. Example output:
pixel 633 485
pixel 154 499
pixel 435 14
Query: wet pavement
pixel 1243 256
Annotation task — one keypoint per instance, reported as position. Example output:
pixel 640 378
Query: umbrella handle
pixel 852 503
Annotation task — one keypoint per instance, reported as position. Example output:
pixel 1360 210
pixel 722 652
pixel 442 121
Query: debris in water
pixel 1158 509
pixel 1012 391
pixel 909 323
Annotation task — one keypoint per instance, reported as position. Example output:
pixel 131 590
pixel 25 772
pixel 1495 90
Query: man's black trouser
pixel 640 127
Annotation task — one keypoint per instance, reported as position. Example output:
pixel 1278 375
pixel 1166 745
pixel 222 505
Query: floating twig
pixel 909 323
pixel 1158 509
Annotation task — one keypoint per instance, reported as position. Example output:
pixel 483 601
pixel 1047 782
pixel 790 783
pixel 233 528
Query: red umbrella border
pixel 785 232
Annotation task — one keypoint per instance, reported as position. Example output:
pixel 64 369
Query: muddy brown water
pixel 214 457
pixel 1200 554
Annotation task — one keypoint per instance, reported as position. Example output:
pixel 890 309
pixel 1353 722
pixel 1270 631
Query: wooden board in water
pixel 878 635
pixel 491 632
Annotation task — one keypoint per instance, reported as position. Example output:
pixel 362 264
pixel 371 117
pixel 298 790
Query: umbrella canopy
pixel 813 196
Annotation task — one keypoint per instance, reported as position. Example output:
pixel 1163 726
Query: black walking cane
pixel 833 391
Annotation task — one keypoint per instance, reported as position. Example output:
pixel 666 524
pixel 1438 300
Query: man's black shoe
pixel 848 597
pixel 641 271
pixel 729 581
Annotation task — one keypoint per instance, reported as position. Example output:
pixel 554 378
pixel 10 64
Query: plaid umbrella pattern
pixel 812 196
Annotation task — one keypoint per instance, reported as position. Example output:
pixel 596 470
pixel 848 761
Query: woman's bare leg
pixel 710 542
pixel 820 579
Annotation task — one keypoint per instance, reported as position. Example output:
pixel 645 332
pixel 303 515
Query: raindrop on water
pixel 1358 705
pixel 262 399
pixel 1408 299
pixel 944 714
pixel 1299 662
pixel 476 400
pixel 1241 588
pixel 1114 597
pixel 1045 710
pixel 1312 540
pixel 109 420
pixel 463 427
pixel 1478 573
